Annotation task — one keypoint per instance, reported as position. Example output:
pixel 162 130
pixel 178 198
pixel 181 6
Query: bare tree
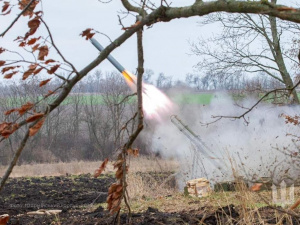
pixel 251 44
pixel 148 76
pixel 163 81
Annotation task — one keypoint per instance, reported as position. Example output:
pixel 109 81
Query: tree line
pixel 87 125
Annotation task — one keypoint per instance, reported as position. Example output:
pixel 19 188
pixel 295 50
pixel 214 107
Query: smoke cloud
pixel 260 148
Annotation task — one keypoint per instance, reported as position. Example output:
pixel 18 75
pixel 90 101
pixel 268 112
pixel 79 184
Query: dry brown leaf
pixel 5 6
pixel 29 11
pixel 33 40
pixel 118 163
pixel 7 12
pixel 2 62
pixel 117 195
pixel 9 130
pixel 87 34
pixel 36 47
pixel 29 72
pixel 44 82
pixel 115 206
pixel 134 152
pixel 34 23
pixel 112 188
pixel 115 209
pixel 43 51
pixel 4 219
pixel 9 75
pixel 33 66
pixel 50 61
pixel 24 108
pixel 35 72
pixel 101 168
pixel 53 69
pixel 119 188
pixel 256 187
pixel 22 44
pixel 5 69
pixel 132 26
pixel 49 93
pixel 119 173
pixel 4 126
pixel 33 130
pixel 109 199
pixel 10 111
pixel 34 117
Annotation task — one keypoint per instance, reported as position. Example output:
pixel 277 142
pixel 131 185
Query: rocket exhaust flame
pixel 155 103
pixel 129 78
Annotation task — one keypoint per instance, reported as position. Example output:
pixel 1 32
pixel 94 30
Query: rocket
pixel 155 103
pixel 113 61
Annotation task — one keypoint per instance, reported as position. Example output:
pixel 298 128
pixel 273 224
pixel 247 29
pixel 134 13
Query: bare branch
pixel 16 156
pixel 132 8
pixel 14 160
pixel 57 50
pixel 16 19
pixel 104 35
pixel 126 98
pixel 253 106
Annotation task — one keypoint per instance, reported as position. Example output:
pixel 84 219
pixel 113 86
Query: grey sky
pixel 166 44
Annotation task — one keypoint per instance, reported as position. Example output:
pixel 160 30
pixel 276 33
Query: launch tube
pixel 113 61
pixel 109 57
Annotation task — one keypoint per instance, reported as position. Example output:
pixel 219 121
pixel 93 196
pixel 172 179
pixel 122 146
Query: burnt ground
pixel 77 197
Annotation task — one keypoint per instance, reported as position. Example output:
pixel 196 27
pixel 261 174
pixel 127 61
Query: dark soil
pixel 65 192
pixel 75 195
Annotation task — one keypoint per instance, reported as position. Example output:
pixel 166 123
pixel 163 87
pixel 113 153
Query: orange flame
pixel 155 103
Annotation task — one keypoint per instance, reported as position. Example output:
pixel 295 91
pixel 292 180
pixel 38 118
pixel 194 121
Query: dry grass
pixel 168 199
pixel 146 186
pixel 146 190
pixel 142 164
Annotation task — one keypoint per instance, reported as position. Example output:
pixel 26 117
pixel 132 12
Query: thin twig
pixel 16 19
pixel 126 125
pixel 58 51
pixel 217 118
pixel 120 21
pixel 104 35
pixel 24 122
pixel 125 98
pixel 104 1
pixel 15 159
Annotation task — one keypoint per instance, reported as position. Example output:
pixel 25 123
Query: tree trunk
pixel 280 61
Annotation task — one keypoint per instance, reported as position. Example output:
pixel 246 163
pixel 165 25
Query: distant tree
pixel 148 76
pixel 251 44
pixel 163 81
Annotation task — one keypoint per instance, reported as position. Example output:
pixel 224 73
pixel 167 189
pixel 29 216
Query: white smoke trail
pixel 255 149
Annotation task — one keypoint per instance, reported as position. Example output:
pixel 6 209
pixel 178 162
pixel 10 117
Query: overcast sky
pixel 166 44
